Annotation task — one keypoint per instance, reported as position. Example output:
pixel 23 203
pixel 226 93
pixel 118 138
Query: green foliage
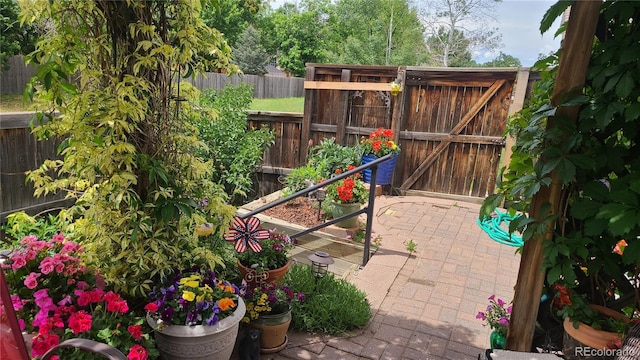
pixel 360 32
pixel 127 148
pixel 333 306
pixel 20 224
pixel 300 178
pixel 249 53
pixel 503 60
pixel 411 246
pixel 231 17
pixel 236 150
pixel 329 156
pixel 296 36
pixel 15 38
pixel 595 161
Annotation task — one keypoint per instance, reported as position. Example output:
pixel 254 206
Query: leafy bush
pixel 331 305
pixel 299 179
pixel 329 156
pixel 235 150
pixel 20 224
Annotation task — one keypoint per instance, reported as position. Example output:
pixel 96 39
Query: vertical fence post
pixel 372 199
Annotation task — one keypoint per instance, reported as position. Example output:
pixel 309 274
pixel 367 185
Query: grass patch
pixel 279 104
pixel 333 306
pixel 12 103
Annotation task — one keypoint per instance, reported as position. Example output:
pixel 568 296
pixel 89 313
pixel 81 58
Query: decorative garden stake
pixel 246 233
pixel 320 262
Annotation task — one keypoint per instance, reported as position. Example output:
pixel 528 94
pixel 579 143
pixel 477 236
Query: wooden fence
pixel 21 152
pixel 14 80
pixel 449 124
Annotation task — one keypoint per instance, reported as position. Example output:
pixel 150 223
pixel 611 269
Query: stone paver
pixel 423 304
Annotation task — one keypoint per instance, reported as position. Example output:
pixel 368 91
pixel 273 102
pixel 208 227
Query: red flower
pixel 80 322
pixel 136 331
pixel 151 307
pixel 137 352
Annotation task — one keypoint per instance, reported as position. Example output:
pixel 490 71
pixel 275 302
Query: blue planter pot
pixel 385 169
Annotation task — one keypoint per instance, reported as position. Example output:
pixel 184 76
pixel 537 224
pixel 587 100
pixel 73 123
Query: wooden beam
pixel 520 93
pixel 305 131
pixel 343 108
pixel 333 85
pixel 572 67
pixel 456 130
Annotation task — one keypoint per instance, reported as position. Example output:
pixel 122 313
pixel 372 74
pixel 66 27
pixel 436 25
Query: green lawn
pixel 279 105
pixel 13 102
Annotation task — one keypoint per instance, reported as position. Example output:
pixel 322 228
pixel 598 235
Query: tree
pixel 445 19
pixel 127 147
pixel 249 53
pixel 375 32
pixel 503 60
pixel 458 52
pixel 231 17
pixel 295 35
pixel 14 38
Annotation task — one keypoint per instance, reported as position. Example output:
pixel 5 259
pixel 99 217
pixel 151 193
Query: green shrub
pixel 20 224
pixel 299 179
pixel 329 156
pixel 236 151
pixel 333 306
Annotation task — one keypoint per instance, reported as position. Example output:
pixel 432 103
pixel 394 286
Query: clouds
pixel 519 24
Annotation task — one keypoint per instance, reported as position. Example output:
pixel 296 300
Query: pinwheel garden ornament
pixel 246 233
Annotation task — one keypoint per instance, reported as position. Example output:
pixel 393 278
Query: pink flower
pixel 28 239
pixel 70 247
pixel 42 343
pixel 82 285
pixel 31 282
pixel 58 237
pixel 17 302
pixel 47 265
pixel 21 323
pixel 137 352
pixel 501 302
pixel 481 316
pixel 18 260
pixel 80 322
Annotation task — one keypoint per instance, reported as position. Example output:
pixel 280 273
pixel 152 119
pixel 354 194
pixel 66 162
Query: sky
pixel 519 24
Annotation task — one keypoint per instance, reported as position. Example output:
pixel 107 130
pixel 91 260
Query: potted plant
pixel 497 318
pixel 270 263
pixel 195 315
pixel 380 143
pixel 269 309
pixel 347 196
pixel 56 297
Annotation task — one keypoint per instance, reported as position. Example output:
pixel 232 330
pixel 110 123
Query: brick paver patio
pixel 424 304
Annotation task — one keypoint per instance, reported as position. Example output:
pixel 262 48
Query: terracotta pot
pixel 586 336
pixel 199 342
pixel 253 279
pixel 274 331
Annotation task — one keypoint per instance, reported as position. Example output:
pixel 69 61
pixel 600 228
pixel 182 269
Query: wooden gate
pixel 448 122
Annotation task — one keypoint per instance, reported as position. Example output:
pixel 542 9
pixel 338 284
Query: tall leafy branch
pixel 108 87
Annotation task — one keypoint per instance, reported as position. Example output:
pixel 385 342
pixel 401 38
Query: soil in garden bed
pixel 300 211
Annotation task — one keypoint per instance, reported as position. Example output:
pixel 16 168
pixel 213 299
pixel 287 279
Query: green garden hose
pixel 492 226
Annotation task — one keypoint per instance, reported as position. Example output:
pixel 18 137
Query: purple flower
pixel 301 297
pixel 500 302
pixel 167 314
pixel 492 297
pixel 509 309
pixel 503 321
pixel 481 316
pixel 212 320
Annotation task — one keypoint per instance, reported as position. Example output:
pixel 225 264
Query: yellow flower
pixel 188 295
